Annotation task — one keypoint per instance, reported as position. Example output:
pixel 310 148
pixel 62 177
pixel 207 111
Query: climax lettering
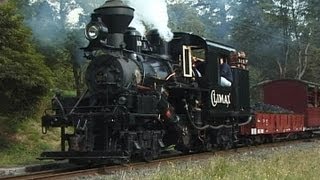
pixel 217 98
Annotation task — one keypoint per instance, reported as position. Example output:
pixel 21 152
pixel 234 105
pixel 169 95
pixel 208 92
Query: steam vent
pixel 115 15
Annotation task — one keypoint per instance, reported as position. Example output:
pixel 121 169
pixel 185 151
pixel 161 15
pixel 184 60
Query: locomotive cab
pixel 199 63
pixel 199 97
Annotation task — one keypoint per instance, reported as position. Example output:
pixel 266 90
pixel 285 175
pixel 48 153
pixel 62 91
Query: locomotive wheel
pixel 224 138
pixel 148 155
pixel 226 143
pixel 208 146
pixel 249 142
pixel 184 142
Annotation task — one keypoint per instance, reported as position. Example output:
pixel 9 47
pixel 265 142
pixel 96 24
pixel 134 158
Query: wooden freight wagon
pixel 270 123
pixel 301 97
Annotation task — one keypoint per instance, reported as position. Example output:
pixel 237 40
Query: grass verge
pixel 21 139
pixel 292 164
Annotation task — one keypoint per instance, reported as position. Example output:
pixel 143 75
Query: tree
pixel 290 19
pixel 24 78
pixel 58 40
pixel 73 45
pixel 216 15
pixel 183 18
pixel 312 15
pixel 278 35
pixel 253 33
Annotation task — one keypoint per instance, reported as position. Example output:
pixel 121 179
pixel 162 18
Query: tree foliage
pixel 58 40
pixel 185 19
pixel 280 37
pixel 24 78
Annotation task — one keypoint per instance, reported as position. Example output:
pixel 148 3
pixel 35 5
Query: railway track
pixel 69 173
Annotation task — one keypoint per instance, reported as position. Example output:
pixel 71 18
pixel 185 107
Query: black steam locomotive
pixel 144 95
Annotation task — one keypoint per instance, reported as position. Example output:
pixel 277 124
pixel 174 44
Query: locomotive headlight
pixel 92 31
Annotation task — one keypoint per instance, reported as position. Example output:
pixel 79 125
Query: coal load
pixel 268 108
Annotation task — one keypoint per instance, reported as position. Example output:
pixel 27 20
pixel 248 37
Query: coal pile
pixel 268 108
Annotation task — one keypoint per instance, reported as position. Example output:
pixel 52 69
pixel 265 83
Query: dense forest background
pixel 40 41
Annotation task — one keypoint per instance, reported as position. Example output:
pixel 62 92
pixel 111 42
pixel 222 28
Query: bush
pixel 24 78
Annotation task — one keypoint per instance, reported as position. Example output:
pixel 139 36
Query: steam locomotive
pixel 145 94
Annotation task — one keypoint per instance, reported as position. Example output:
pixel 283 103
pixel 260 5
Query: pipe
pixel 60 105
pixel 210 126
pixel 74 107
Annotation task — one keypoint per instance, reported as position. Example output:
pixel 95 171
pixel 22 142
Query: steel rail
pixel 103 170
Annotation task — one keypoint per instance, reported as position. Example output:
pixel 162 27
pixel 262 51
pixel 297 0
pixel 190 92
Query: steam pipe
pixel 210 126
pixel 74 107
pixel 60 105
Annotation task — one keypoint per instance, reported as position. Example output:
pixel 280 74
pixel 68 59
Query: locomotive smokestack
pixel 117 17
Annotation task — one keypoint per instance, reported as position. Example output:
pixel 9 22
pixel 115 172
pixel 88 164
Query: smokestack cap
pixel 131 31
pixel 115 15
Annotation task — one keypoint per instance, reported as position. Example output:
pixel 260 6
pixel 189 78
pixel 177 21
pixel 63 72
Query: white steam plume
pixel 153 14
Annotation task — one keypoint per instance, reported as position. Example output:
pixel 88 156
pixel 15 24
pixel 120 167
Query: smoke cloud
pixel 58 23
pixel 64 13
pixel 55 16
pixel 152 14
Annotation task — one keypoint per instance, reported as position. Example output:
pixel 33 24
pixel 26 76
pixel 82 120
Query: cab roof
pixel 195 40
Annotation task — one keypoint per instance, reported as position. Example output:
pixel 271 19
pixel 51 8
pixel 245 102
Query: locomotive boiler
pixel 144 95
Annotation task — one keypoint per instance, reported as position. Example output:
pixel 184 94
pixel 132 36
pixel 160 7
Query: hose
pixel 210 126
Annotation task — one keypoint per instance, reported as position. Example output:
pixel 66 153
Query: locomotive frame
pixel 144 95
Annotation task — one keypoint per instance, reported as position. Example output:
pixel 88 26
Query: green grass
pixel 296 164
pixel 21 139
pixel 25 145
pixel 70 93
pixel 64 93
